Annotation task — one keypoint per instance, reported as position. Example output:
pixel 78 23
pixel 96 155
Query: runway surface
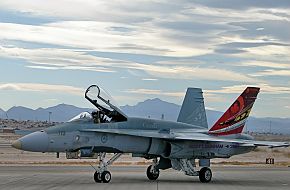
pixel 134 177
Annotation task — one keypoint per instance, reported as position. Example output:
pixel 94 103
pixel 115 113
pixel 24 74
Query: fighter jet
pixel 186 145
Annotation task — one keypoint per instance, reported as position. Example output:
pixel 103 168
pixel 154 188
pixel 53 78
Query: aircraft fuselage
pixel 71 137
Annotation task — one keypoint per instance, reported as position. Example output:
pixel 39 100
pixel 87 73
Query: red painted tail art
pixel 234 119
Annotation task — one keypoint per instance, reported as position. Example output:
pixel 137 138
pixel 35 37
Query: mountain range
pixel 153 108
pixel 59 113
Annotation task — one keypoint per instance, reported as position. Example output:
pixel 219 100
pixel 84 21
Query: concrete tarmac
pixel 134 177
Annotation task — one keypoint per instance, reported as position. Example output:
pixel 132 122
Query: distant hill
pixel 59 113
pixel 2 113
pixel 151 107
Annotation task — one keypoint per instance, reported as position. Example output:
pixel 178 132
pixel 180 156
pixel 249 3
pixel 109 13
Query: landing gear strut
pixel 152 171
pixel 102 174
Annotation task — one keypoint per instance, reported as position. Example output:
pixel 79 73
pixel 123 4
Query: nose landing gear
pixel 102 174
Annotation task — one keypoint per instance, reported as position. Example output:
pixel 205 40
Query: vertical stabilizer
pixel 192 109
pixel 234 119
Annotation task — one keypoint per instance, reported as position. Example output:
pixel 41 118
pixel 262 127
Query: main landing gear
pixel 152 171
pixel 102 174
pixel 205 175
pixel 188 166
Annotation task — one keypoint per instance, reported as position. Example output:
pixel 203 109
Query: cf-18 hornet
pixel 185 145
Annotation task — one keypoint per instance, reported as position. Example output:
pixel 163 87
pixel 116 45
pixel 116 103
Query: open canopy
pixel 105 103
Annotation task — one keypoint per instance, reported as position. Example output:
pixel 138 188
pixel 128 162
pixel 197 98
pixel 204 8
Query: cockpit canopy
pixel 104 103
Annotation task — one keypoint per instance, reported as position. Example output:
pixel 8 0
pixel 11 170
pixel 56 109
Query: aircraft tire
pixel 150 175
pixel 106 177
pixel 97 177
pixel 205 175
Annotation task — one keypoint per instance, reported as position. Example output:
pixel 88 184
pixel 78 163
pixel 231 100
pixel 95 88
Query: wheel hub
pixel 207 175
pixel 107 177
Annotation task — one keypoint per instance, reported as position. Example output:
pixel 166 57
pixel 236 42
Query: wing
pixel 186 135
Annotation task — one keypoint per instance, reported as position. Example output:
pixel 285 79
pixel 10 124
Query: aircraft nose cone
pixel 35 142
pixel 16 144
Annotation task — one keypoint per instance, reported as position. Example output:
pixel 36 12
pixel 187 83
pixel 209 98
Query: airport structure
pixel 179 145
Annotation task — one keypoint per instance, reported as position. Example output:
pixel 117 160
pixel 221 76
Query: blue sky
pixel 50 51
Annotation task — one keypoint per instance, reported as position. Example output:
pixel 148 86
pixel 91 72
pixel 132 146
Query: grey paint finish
pixel 192 109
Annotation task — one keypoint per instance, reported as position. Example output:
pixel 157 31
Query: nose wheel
pixel 104 177
pixel 97 177
pixel 102 174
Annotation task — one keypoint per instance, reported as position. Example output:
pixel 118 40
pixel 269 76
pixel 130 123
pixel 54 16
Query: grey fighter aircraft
pixel 176 145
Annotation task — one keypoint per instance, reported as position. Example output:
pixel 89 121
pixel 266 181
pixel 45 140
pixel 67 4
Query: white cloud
pixel 117 10
pixel 276 65
pixel 92 26
pixel 114 10
pixel 62 8
pixel 272 56
pixel 264 88
pixel 154 92
pixel 253 14
pixel 97 36
pixel 51 58
pixel 271 72
pixel 277 68
pixel 259 29
pixel 39 87
pixel 181 62
pixel 179 72
pixel 149 79
pixel 97 29
pixel 269 51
